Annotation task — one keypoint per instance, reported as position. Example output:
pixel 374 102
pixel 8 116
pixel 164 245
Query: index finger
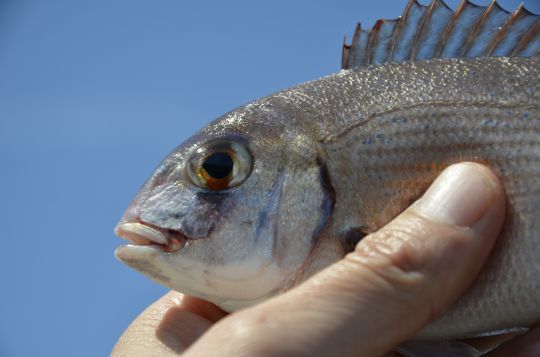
pixel 168 326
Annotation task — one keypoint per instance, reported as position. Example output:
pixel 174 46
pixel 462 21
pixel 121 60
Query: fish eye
pixel 219 165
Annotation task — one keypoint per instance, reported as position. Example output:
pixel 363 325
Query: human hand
pixel 395 282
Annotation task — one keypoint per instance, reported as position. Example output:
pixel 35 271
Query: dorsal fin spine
pixel 478 27
pixel 399 27
pixel 469 39
pixel 450 27
pixel 491 13
pixel 529 36
pixel 434 31
pixel 371 41
pixel 419 34
pixel 500 34
pixel 345 53
pixel 356 38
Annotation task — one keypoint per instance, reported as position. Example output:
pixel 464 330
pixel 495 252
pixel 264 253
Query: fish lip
pixel 142 234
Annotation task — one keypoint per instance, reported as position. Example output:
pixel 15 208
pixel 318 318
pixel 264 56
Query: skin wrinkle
pixel 399 265
pixel 400 243
pixel 341 286
pixel 405 286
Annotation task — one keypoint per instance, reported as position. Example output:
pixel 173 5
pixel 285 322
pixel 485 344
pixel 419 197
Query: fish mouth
pixel 142 234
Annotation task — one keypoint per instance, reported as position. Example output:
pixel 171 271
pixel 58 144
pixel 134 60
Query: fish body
pixel 276 190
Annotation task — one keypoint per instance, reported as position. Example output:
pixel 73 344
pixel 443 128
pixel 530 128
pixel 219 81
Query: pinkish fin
pixel 435 31
pixel 439 349
pixel 477 346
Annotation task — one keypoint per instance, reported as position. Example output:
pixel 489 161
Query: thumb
pixel 395 282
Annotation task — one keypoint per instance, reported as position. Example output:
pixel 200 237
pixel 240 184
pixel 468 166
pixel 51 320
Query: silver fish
pixel 276 190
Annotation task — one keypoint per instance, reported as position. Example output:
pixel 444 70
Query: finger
pixel 168 326
pixel 393 284
pixel 527 345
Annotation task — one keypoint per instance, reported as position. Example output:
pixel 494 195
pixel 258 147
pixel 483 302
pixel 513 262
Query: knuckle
pixel 395 246
pixel 407 256
pixel 407 264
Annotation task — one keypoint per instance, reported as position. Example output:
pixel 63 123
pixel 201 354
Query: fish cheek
pixel 208 210
pixel 194 214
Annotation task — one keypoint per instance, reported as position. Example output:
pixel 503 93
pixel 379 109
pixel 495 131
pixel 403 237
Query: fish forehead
pixel 268 117
pixel 325 107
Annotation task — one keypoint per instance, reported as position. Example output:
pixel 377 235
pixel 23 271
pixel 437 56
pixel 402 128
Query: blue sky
pixel 93 94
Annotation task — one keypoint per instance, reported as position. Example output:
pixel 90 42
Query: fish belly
pixel 386 163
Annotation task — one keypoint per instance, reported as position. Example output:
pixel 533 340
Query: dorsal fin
pixel 435 31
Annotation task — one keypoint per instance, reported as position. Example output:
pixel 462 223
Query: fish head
pixel 231 215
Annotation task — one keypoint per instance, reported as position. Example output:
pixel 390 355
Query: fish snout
pixel 142 234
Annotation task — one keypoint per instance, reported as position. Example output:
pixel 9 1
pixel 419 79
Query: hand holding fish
pixel 393 284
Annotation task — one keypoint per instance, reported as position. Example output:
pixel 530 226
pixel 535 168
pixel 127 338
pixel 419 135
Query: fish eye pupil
pixel 218 165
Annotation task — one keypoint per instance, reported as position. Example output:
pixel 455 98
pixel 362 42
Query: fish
pixel 276 190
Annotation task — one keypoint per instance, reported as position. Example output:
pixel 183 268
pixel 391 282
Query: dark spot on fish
pixel 488 121
pixel 350 238
pixel 265 223
pixel 326 182
pixel 261 222
pixel 214 197
pixel 399 120
pixel 329 200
